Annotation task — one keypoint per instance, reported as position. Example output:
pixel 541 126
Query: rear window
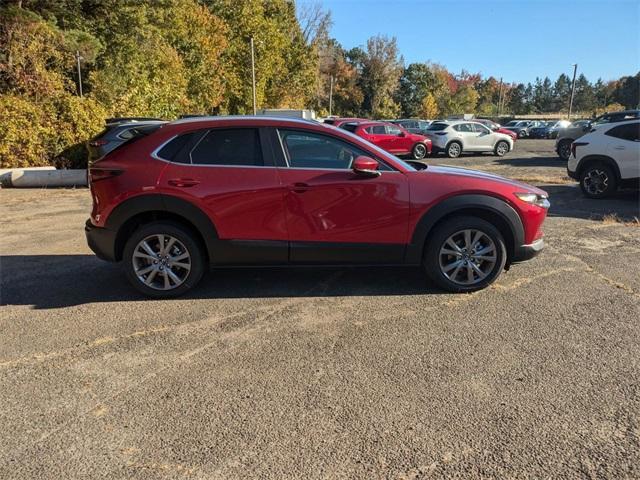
pixel 437 127
pixel 349 127
pixel 172 150
pixel 134 134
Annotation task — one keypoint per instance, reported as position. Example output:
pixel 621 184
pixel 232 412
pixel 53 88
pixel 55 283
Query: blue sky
pixel 514 39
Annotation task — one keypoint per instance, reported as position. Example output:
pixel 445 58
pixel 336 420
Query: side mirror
pixel 586 128
pixel 402 134
pixel 366 166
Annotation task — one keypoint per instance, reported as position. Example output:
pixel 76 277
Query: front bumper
pixel 101 240
pixel 527 252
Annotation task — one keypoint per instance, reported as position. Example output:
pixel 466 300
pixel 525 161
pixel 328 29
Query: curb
pixel 44 178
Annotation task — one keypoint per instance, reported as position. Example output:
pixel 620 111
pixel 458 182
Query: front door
pixel 333 214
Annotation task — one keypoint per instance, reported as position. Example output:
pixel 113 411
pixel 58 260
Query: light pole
pixel 573 88
pixel 253 76
pixel 330 95
pixel 500 97
pixel 78 58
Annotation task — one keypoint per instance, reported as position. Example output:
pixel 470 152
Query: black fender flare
pixel 153 202
pixel 590 159
pixel 492 205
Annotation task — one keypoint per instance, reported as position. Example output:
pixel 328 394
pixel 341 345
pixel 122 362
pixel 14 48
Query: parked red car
pixel 392 138
pixel 273 191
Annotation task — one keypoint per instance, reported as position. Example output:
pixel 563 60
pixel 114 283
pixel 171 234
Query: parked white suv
pixel 455 137
pixel 606 158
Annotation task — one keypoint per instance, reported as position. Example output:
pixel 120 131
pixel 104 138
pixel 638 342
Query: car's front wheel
pixel 502 148
pixel 598 181
pixel 163 259
pixel 465 254
pixel 419 151
pixel 522 134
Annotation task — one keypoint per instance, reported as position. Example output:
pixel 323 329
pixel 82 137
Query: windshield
pixel 512 123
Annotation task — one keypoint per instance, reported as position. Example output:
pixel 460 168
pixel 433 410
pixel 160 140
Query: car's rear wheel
pixel 163 259
pixel 454 149
pixel 502 148
pixel 465 254
pixel 419 151
pixel 564 149
pixel 598 181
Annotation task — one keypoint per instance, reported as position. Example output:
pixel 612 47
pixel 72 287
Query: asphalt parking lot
pixel 324 373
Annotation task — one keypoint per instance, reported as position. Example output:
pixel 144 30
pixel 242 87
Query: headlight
pixel 533 199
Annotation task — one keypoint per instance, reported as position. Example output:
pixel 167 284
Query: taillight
pixel 577 144
pixel 97 143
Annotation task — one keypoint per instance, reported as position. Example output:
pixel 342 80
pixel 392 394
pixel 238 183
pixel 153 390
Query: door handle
pixel 620 148
pixel 183 182
pixel 299 187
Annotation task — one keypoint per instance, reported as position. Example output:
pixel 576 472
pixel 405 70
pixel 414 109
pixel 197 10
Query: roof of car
pixel 241 118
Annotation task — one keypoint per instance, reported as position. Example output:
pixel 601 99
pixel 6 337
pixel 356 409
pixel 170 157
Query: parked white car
pixel 606 159
pixel 455 137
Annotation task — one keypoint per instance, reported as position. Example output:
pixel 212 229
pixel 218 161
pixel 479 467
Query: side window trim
pixel 285 156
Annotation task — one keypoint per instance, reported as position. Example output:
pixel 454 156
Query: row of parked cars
pixel 419 138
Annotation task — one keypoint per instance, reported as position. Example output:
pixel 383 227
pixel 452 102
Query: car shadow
pixel 56 281
pixel 532 162
pixel 568 201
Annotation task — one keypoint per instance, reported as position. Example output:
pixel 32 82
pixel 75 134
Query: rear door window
pixel 229 147
pixel 630 132
pixel 376 130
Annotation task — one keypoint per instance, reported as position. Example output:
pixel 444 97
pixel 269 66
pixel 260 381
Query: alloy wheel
pixel 502 149
pixel 419 151
pixel 468 257
pixel 161 262
pixel 596 182
pixel 454 150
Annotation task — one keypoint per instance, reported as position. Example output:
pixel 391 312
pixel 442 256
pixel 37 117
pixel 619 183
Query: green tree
pixel 381 70
pixel 627 91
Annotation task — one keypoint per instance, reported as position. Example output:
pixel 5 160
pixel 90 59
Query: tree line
pixel 167 58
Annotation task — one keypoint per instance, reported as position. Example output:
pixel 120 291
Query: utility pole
pixel 500 98
pixel 78 58
pixel 573 89
pixel 253 76
pixel 330 95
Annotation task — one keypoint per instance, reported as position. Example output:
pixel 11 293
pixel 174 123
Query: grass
pixel 547 179
pixel 614 219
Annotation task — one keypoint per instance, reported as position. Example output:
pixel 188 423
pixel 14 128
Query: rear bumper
pixel 527 252
pixel 101 241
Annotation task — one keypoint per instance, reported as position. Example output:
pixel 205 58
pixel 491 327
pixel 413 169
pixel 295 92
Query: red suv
pixel 392 138
pixel 272 191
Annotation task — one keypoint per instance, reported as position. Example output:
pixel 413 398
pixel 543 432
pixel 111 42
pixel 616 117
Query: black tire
pixel 449 228
pixel 419 151
pixel 598 180
pixel 564 149
pixel 454 149
pixel 499 148
pixel 522 133
pixel 185 240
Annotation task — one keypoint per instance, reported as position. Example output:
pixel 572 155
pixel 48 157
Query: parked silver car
pixel 456 137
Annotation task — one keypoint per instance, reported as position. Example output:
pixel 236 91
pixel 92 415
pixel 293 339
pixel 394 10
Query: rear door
pixel 225 172
pixel 397 140
pixel 624 148
pixel 333 214
pixel 468 135
pixel 380 137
